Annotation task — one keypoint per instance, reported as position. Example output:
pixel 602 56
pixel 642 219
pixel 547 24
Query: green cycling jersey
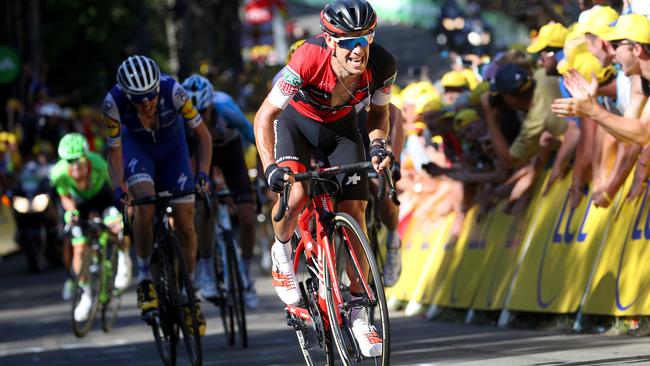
pixel 66 186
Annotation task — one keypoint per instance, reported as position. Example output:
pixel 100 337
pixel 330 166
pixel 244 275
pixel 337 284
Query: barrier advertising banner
pixel 469 257
pixel 621 282
pixel 559 261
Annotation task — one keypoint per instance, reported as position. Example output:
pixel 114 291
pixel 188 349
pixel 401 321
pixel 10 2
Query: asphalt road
pixel 35 330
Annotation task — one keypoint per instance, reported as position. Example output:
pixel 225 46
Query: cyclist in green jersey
pixel 82 182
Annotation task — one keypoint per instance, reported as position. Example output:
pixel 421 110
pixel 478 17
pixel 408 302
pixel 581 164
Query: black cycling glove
pixel 378 149
pixel 275 177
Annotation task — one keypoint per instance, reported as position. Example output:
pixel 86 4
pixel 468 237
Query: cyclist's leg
pixel 204 225
pixel 139 170
pixel 353 197
pixel 230 158
pixel 102 204
pixel 292 149
pixel 184 226
pixel 296 136
pixel 353 200
pixel 175 174
pixel 389 216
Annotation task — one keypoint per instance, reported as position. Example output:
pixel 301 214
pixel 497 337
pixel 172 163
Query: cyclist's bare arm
pixel 67 202
pixel 205 146
pixel 378 128
pixel 396 130
pixel 265 133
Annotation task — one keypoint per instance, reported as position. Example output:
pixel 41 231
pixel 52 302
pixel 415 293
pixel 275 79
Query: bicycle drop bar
pixel 331 172
pixel 159 197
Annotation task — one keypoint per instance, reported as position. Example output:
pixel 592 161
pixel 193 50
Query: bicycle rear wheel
pixel 369 292
pixel 235 293
pixel 110 298
pixel 315 341
pixel 188 303
pixel 88 279
pixel 225 311
pixel 163 322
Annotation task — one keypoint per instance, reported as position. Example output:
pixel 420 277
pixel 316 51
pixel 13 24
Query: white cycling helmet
pixel 200 91
pixel 139 76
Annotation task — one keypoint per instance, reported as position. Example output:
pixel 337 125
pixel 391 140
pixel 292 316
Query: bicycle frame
pixel 321 209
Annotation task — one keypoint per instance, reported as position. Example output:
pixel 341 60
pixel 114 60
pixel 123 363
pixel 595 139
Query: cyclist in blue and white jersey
pixel 227 124
pixel 145 114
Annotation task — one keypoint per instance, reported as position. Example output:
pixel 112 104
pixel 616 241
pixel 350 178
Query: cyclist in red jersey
pixel 312 107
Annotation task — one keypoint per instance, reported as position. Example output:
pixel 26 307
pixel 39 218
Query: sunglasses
pixel 141 98
pixel 81 160
pixel 349 43
pixel 623 42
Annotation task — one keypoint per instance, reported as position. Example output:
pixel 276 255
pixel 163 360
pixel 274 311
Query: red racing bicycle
pixel 336 274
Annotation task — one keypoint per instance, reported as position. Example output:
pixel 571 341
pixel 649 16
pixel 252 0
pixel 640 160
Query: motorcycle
pixel 36 218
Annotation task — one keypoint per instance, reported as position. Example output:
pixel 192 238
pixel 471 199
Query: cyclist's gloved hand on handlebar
pixel 275 177
pixel 380 156
pixel 71 216
pixel 203 181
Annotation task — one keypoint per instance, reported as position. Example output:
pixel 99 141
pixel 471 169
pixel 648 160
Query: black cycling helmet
pixel 347 16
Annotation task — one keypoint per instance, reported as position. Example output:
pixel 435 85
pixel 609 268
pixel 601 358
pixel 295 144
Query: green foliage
pixel 83 42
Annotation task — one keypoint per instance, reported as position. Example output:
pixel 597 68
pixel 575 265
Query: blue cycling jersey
pixel 174 106
pixel 228 115
pixel 157 155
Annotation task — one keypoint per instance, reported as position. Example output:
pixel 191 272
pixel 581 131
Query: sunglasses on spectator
pixel 623 42
pixel 81 160
pixel 349 43
pixel 141 98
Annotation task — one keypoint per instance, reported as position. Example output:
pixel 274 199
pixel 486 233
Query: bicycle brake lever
pixel 284 200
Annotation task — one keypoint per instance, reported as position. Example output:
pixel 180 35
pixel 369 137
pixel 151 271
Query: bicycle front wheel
pixel 355 289
pixel 164 322
pixel 235 294
pixel 85 292
pixel 110 297
pixel 188 309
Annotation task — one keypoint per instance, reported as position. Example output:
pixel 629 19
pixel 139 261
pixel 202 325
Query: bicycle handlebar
pixel 384 179
pixel 163 196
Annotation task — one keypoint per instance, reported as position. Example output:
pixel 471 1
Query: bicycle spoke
pixel 359 288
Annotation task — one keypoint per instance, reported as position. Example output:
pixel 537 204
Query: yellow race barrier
pixel 621 284
pixel 562 253
pixel 469 258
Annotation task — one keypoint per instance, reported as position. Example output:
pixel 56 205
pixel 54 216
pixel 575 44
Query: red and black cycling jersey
pixel 307 81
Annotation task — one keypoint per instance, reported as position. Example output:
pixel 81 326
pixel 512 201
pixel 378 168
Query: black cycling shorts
pixel 296 136
pixel 230 158
pixel 101 201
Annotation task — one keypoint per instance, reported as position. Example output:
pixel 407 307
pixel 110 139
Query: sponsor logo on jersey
pixel 286 88
pixel 291 77
pixel 181 95
pixel 112 127
pixel 188 111
pixel 289 83
pixel 390 80
pixel 386 90
pixel 108 105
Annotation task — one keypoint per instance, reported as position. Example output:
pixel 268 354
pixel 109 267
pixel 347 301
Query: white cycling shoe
pixel 82 310
pixel 369 341
pixel 205 282
pixel 284 280
pixel 123 275
pixel 251 300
